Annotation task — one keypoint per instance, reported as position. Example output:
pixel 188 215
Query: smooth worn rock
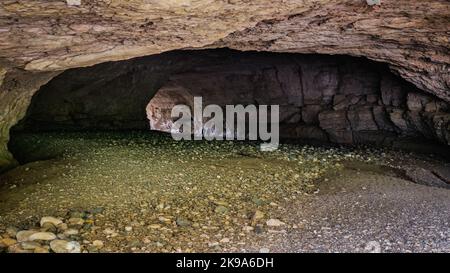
pixel 42 236
pixel 274 223
pixel 24 235
pixel 62 246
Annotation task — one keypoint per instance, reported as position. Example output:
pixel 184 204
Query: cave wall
pixel 411 36
pixel 16 90
pixel 337 99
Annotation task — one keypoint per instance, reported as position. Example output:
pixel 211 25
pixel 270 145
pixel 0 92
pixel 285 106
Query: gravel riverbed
pixel 144 192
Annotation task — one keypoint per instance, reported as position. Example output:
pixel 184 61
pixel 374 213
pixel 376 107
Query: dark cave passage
pixel 337 99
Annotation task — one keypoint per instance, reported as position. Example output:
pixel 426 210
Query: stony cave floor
pixel 144 192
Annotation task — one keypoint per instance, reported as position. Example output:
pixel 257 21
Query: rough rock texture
pixel 339 99
pixel 411 36
pixel 16 91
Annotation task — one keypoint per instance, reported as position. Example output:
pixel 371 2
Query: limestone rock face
pixel 412 36
pixel 15 95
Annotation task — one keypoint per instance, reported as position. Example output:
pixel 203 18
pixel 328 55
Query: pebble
pixel 128 229
pixel 50 219
pixel 258 215
pixel 274 223
pixel 41 250
pixel 30 245
pixel 43 236
pixel 8 241
pixel 98 244
pixel 24 235
pixel 71 231
pixel 63 246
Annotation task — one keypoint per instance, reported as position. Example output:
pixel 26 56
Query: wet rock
pixel 63 246
pixel 71 231
pixel 41 250
pixel 48 227
pixel 76 221
pixel 258 215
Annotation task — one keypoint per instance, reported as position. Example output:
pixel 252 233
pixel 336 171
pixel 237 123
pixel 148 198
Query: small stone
pixel 373 247
pixel 98 244
pixel 41 250
pixel 128 229
pixel 258 215
pixel 12 231
pixel 30 245
pixel 44 236
pixel 71 231
pixel 154 226
pixel 274 223
pixel 183 222
pixel 24 235
pixel 16 248
pixel 63 246
pixel 50 219
pixel 8 241
pixel 264 250
pixel 247 228
pixel 225 240
pixel 76 221
pixel 47 226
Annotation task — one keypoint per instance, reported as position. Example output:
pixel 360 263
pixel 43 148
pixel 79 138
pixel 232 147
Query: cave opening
pixel 322 98
pixel 96 151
